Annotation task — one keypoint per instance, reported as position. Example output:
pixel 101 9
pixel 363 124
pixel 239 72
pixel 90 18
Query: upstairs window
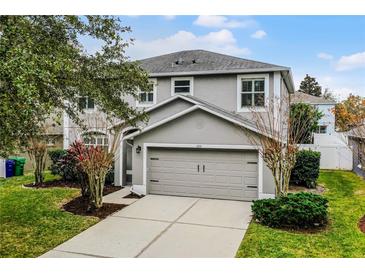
pixel 252 92
pixel 182 85
pixel 148 97
pixel 86 103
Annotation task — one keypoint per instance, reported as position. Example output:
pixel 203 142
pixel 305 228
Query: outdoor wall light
pixel 138 149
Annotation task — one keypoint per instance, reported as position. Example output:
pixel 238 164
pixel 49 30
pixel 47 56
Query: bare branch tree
pixel 278 141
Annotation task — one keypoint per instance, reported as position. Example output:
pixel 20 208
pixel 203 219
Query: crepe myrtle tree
pixel 279 138
pixel 45 68
pixel 95 161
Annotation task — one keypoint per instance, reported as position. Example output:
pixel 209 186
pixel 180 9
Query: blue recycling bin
pixel 9 168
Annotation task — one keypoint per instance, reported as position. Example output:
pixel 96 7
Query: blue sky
pixel 330 48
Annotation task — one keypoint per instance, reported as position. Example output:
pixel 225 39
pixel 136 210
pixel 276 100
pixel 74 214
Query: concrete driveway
pixel 164 226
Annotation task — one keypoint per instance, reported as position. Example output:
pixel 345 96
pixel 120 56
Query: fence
pixel 333 156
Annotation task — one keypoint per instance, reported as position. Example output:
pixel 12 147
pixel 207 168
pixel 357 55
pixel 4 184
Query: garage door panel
pixel 226 174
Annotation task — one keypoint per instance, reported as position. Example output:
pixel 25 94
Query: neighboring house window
pixel 321 129
pixel 148 97
pixel 252 91
pixel 182 85
pixel 96 139
pixel 86 103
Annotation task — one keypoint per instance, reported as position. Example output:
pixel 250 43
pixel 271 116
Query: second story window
pixel 252 91
pixel 86 103
pixel 181 85
pixel 148 97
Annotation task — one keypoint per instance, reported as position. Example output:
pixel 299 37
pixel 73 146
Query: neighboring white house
pixel 326 124
pixel 335 151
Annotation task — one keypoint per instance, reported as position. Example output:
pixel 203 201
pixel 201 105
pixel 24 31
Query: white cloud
pixel 351 62
pixel 221 41
pixel 324 56
pixel 217 21
pixel 169 17
pixel 259 34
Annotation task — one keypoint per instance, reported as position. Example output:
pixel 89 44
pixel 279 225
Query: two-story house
pixel 196 142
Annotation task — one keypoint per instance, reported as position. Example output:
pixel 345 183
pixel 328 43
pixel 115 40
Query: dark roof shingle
pixel 201 61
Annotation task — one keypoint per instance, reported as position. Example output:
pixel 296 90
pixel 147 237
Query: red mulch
pixel 60 183
pixel 79 206
pixel 362 224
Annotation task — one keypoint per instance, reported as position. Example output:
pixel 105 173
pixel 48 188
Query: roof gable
pixel 301 97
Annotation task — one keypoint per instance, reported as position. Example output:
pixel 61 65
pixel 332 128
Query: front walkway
pixel 164 226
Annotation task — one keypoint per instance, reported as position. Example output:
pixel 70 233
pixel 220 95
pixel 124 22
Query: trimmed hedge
pixel 298 211
pixel 306 169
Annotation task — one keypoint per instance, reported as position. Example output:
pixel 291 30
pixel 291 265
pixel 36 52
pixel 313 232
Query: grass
pixel 342 238
pixel 31 221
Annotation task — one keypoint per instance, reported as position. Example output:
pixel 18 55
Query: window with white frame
pixel 181 85
pixel 321 129
pixel 148 97
pixel 252 91
pixel 96 139
pixel 86 103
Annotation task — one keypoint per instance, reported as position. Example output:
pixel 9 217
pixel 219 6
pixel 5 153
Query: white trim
pixel 239 87
pixel 191 87
pixel 145 104
pixel 168 100
pixel 260 174
pixel 142 189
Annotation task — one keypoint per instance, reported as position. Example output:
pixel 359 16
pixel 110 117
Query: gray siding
pixel 197 127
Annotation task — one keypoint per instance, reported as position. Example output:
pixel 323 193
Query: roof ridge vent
pixel 179 61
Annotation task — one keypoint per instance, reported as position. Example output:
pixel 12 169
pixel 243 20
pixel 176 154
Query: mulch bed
pixel 133 195
pixel 362 224
pixel 79 206
pixel 60 183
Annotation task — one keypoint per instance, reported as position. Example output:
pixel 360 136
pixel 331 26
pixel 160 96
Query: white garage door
pixel 220 174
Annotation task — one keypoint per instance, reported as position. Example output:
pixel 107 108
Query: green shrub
pixel 299 210
pixel 56 155
pixel 306 169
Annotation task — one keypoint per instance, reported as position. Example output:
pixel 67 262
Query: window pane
pixel 182 83
pixel 150 97
pixel 92 141
pixel 90 103
pixel 106 141
pixel 99 141
pixel 246 100
pixel 259 99
pixel 86 140
pixel 182 89
pixel 142 97
pixel 82 102
pixel 323 129
pixel 246 86
pixel 259 85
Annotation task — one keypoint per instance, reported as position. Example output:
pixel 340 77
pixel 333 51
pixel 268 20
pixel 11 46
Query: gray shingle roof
pixel 202 61
pixel 301 97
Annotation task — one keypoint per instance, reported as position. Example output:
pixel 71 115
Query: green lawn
pixel 346 195
pixel 31 221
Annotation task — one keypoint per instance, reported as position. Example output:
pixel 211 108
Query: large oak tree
pixel 44 68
